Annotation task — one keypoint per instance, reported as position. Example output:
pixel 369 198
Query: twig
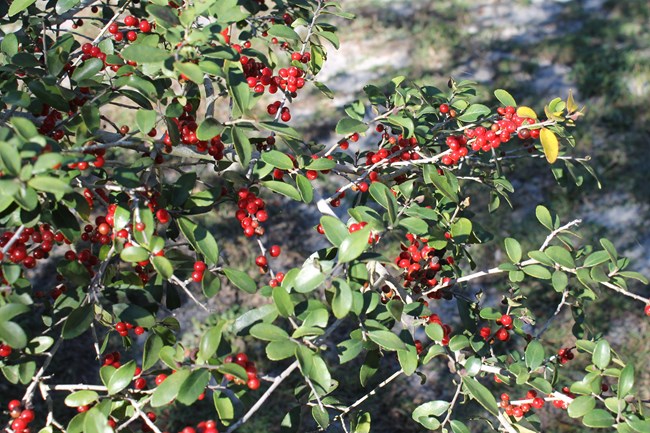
pixel 555 232
pixel 13 239
pixel 371 393
pixel 29 392
pixel 557 311
pixel 189 293
pixel 505 423
pixel 278 380
pixel 452 403
pixel 144 416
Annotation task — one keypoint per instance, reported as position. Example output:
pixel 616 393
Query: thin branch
pixel 562 303
pixel 388 380
pixel 13 239
pixel 189 293
pixel 278 380
pixel 452 403
pixel 144 416
pixel 557 231
pixel 29 392
pixel 505 423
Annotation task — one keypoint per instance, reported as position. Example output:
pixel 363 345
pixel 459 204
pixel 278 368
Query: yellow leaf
pixel 571 105
pixel 550 144
pixel 524 111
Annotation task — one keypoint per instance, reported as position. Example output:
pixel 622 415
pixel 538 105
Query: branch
pixel 370 394
pixel 278 380
pixel 452 403
pixel 144 416
pixel 29 392
pixel 557 231
pixel 557 311
pixel 174 279
pixel 13 239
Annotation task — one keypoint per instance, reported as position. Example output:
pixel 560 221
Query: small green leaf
pixel 95 421
pixel 151 351
pixel 201 239
pixel 534 355
pixel 121 378
pixel 190 70
pixel 387 340
pixel 18 6
pixel 305 188
pixel 342 299
pixel 209 129
pixel 481 394
pixel 9 158
pixel 537 271
pixel 598 418
pixel 233 369
pixel 243 146
pixel 581 405
pixel 347 126
pixel 268 332
pixel 283 188
pixel 163 266
pixel 81 398
pixel 426 413
pixel 50 184
pixel 353 245
pixel 505 98
pixel 283 31
pixel 625 381
pixel 602 354
pixel 210 342
pixel 277 159
pixel 544 217
pixel 435 331
pixel 278 350
pixel 513 249
pixel 282 301
pixel 145 54
pixel 241 280
pixel 193 387
pixel 335 230
pixel 308 278
pixel 78 321
pixel 134 254
pixel 88 69
pixel 560 256
pixel 473 112
pixel 146 120
pixel 167 391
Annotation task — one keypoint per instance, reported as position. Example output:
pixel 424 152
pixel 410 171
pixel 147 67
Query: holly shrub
pixel 126 125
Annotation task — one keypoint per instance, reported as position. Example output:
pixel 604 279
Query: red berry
pixel 506 320
pixel 163 216
pixel 5 351
pixel 145 26
pixel 241 358
pixel 275 250
pixel 138 330
pixel 538 403
pixel 14 404
pixel 444 108
pixel 160 378
pixel 140 383
pixel 18 425
pixel 112 29
pixel 253 383
pixel 132 36
pixel 197 277
pixel 27 415
pixel 130 21
pixel 140 226
pixel 261 261
pixel 199 266
pixel 647 310
pixel 502 334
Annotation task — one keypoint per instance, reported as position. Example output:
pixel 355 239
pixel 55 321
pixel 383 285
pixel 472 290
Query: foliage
pixel 119 210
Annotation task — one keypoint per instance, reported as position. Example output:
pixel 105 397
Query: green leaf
pixel 458 427
pixel 241 93
pixel 193 387
pixel 88 69
pixel 505 98
pixel 581 405
pixel 386 339
pixel 145 54
pixel 513 249
pixel 441 182
pixel 280 128
pixel 243 146
pixel 164 15
pixel 560 256
pixel 24 127
pixel 241 280
pixel 335 230
pixel 534 355
pixel 121 378
pixel 321 164
pixel 414 225
pixel 95 421
pixel 18 6
pixel 384 196
pixel 342 299
pixel 277 159
pixel 134 254
pixel 544 217
pixel 210 284
pixel 283 188
pixel 190 70
pixel 602 354
pixel 458 342
pixel 353 245
pixel 201 239
pixel 50 184
pixel 278 350
pixel 78 321
pixel 481 394
pixel 435 331
pixel 163 266
pixel 610 248
pixel 9 311
pixel 473 112
pixel 268 332
pixel 625 381
pixel 167 391
pixel 224 406
pixel 598 418
pixel 210 342
pixel 146 120
pixel 560 281
pixel 233 369
pixel 81 398
pixel 537 271
pixel 348 126
pixel 461 230
pixel 308 278
pixel 151 351
pixel 305 188
pixel 209 128
pixel 282 301
pixel 283 31
pixel 426 413
pixel 10 158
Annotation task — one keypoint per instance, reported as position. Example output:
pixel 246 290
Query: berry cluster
pixel 187 127
pixel 420 264
pixel 518 410
pixel 93 51
pixel 502 334
pixel 132 23
pixel 285 112
pixel 33 244
pixel 392 148
pixel 198 270
pixel 250 212
pixel 112 359
pixel 275 282
pixel 123 329
pixel 21 417
pixel 241 359
pixel 262 261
